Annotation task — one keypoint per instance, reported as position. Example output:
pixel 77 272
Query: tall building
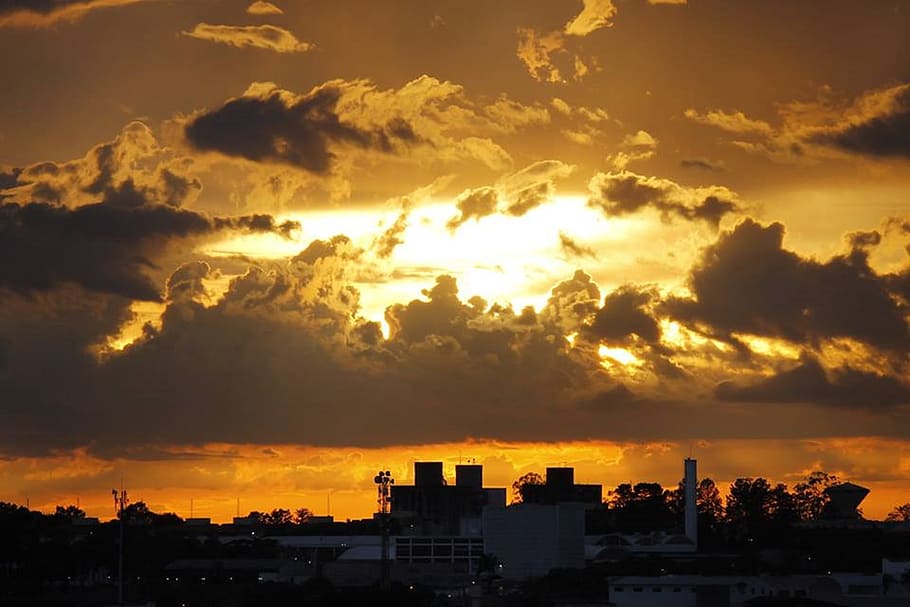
pixel 432 507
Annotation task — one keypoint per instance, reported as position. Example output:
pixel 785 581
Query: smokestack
pixel 691 477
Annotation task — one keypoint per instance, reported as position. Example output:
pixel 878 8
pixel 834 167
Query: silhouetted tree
pixel 531 478
pixel 810 496
pixel 900 513
pixel 139 513
pixel 642 507
pixel 710 505
pixel 278 516
pixel 755 508
pixel 302 515
pixel 621 496
pixel 69 513
pixel 783 505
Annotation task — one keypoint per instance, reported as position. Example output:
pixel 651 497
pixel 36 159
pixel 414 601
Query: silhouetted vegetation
pixel 900 513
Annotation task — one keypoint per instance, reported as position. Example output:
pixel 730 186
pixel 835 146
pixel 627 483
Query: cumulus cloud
pixel 286 353
pixel 131 169
pixel 102 247
pixel 474 204
pixel 748 283
pixel 638 146
pixel 626 312
pixel 513 194
pixel 103 221
pixel 260 7
pixel 269 124
pixel 624 192
pixel 877 124
pixel 873 125
pixel 268 37
pixel 46 13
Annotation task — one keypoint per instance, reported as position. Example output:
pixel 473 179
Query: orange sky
pixel 262 250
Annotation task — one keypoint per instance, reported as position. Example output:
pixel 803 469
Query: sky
pixel 253 252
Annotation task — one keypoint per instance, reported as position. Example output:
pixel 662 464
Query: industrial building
pixel 560 487
pixel 431 507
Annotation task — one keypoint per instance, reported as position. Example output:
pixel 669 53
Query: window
pixel 637 589
pixel 657 589
pixel 677 589
pixel 619 589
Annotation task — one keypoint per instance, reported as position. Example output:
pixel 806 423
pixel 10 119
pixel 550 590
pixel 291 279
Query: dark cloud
pixel 700 163
pixel 810 383
pixel 864 239
pixel 748 283
pixel 625 312
pixel 271 125
pixel 571 247
pixel 283 358
pixel 103 247
pixel 885 132
pixel 514 194
pixel 625 192
pixel 387 242
pixel 475 204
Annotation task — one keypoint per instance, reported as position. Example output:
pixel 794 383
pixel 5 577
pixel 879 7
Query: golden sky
pixel 260 250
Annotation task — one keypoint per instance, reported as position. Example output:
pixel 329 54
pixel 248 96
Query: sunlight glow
pixel 144 312
pixel 484 255
pixel 618 355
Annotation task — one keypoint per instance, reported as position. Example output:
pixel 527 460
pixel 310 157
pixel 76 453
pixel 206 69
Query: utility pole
pixel 120 502
pixel 384 482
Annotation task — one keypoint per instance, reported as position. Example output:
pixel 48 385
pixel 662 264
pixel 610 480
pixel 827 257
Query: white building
pixel 531 539
pixel 849 590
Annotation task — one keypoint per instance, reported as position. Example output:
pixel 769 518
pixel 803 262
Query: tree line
pixel 750 505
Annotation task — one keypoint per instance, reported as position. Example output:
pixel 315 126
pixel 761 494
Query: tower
pixel 691 482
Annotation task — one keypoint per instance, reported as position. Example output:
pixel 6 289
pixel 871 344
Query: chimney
pixel 691 477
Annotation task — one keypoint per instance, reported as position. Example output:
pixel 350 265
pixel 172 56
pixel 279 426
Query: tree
pixel 140 514
pixel 708 501
pixel 782 507
pixel 642 507
pixel 748 505
pixel 900 513
pixel 302 515
pixel 278 516
pixel 620 497
pixel 810 496
pixel 69 513
pixel 531 478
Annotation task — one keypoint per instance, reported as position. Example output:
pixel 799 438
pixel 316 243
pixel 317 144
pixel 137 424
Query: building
pixel 848 590
pixel 531 539
pixel 432 507
pixel 560 487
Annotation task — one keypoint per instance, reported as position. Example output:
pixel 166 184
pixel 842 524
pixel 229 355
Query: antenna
pixel 120 502
pixel 384 482
pixel 191 507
